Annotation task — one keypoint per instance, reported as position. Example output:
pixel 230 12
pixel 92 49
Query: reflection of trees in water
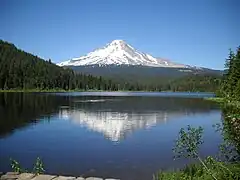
pixel 19 109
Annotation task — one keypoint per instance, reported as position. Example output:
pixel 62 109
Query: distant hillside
pixel 143 70
pixel 158 78
pixel 22 70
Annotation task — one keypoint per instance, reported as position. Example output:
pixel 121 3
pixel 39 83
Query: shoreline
pixel 215 99
pixel 223 101
pixel 91 90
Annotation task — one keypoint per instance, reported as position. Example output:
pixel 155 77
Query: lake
pixel 127 135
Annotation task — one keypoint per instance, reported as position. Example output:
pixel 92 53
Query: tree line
pixel 22 70
pixel 230 87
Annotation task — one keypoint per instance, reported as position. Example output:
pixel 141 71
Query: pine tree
pixel 231 80
pixel 237 75
pixel 234 76
pixel 226 88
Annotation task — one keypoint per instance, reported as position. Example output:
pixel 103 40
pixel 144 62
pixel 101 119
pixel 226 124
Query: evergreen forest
pixel 230 87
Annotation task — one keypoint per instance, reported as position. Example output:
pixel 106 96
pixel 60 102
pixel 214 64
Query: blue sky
pixel 195 32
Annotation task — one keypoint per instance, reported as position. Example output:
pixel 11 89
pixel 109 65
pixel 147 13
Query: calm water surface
pixel 121 135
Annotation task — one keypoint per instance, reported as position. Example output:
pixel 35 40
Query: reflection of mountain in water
pixel 114 125
pixel 113 116
pixel 116 118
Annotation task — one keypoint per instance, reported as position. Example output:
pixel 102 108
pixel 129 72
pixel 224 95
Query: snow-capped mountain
pixel 119 52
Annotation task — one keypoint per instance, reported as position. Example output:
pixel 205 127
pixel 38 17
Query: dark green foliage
pixel 230 87
pixel 157 78
pixel 21 70
pixel 231 130
pixel 197 82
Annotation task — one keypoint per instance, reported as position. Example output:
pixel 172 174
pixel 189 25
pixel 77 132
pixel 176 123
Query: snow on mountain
pixel 119 52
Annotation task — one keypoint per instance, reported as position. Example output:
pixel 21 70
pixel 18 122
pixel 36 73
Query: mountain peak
pixel 118 45
pixel 118 52
pixel 118 42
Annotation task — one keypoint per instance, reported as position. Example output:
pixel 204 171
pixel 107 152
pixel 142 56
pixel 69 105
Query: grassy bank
pixel 219 170
pixel 216 99
pixel 224 101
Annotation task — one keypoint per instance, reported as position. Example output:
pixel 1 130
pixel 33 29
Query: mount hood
pixel 118 52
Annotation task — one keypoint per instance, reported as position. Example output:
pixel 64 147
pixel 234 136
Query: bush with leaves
pixel 188 143
pixel 16 167
pixel 38 167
